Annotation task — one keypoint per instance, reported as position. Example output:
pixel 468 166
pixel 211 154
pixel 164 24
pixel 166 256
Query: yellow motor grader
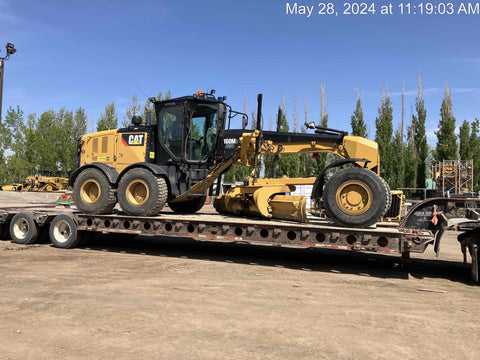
pixel 175 161
pixel 38 182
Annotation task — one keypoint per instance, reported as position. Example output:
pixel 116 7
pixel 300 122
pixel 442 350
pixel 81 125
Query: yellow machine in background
pixel 39 183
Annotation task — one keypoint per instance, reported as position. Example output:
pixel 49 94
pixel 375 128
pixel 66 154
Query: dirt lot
pixel 181 299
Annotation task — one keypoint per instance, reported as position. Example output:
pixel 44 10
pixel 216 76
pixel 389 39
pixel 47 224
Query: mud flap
pixel 474 253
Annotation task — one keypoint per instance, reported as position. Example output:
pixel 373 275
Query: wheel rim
pixel 90 191
pixel 21 228
pixel 354 197
pixel 137 192
pixel 62 231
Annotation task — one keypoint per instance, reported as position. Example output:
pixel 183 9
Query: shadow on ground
pixel 319 260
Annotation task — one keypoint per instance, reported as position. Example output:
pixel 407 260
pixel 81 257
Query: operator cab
pixel 188 127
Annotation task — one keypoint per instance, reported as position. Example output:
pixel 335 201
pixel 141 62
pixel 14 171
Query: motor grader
pixel 176 160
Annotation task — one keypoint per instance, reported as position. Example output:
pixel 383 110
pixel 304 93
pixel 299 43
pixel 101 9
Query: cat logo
pixel 133 139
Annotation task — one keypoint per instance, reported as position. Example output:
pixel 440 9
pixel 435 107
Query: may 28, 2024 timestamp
pixel 371 8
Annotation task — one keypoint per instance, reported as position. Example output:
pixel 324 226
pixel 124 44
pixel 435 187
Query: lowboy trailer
pixel 424 225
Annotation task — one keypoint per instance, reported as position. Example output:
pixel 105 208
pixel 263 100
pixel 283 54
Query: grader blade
pixel 265 201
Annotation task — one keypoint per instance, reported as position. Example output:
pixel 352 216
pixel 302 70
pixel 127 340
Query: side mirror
pixel 244 122
pixel 222 112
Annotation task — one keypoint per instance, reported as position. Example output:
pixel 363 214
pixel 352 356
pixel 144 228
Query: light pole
pixel 10 50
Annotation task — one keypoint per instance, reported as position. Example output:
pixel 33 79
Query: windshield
pixel 203 132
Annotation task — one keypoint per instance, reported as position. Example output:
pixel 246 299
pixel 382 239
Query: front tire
pixel 355 197
pixel 141 193
pixel 92 193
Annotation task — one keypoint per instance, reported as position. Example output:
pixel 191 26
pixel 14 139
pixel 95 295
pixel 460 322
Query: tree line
pixel 405 156
pixel 47 143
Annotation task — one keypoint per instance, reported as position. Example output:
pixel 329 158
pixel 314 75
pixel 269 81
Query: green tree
pixel 398 166
pixel 475 148
pixel 45 142
pixel 13 136
pixel 411 160
pixel 420 137
pixel 446 138
pixel 80 124
pixel 66 143
pixel 109 119
pixel 359 128
pixel 465 148
pixel 31 150
pixel 133 110
pixel 383 136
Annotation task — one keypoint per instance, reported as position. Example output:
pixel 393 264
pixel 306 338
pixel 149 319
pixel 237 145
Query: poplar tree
pixel 475 148
pixel 446 138
pixel 420 136
pixel 383 136
pixel 465 150
pixel 359 128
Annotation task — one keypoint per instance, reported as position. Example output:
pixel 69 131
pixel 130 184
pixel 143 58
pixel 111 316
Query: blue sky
pixel 86 53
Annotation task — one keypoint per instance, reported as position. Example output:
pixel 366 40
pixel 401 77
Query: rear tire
pixel 23 229
pixel 188 207
pixel 141 193
pixel 92 193
pixel 63 232
pixel 355 197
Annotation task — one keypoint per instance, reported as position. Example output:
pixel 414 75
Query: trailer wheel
pixel 63 232
pixel 23 229
pixel 188 207
pixel 355 197
pixel 141 193
pixel 92 192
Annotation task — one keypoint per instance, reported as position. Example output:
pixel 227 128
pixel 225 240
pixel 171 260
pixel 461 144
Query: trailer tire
pixel 23 229
pixel 141 193
pixel 355 197
pixel 188 207
pixel 92 193
pixel 63 232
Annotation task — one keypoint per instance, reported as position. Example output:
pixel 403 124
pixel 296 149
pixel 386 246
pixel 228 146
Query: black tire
pixel 92 193
pixel 23 229
pixel 355 197
pixel 188 207
pixel 63 232
pixel 141 193
pixel 388 203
